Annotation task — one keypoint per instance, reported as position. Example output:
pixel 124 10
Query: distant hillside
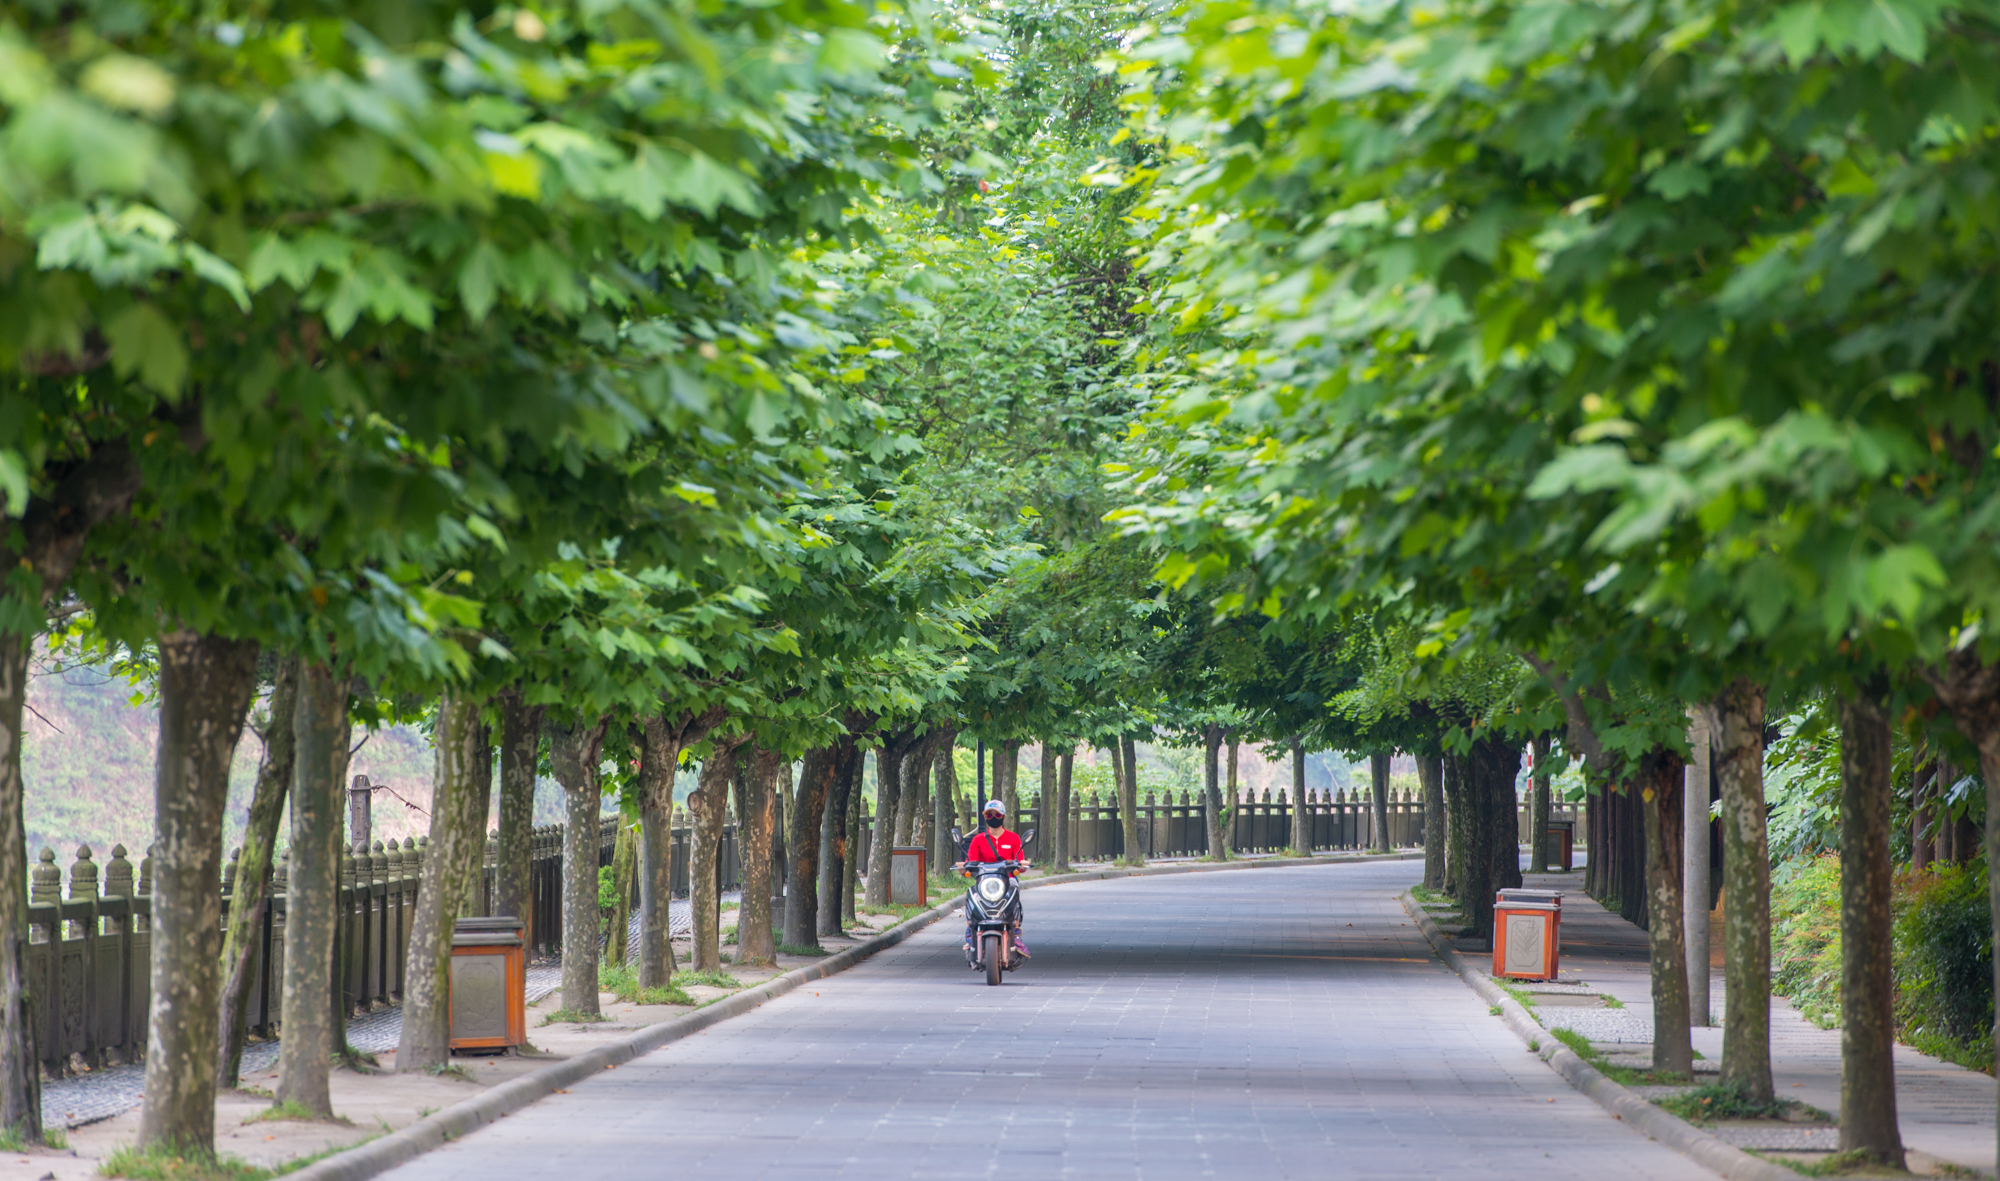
pixel 88 759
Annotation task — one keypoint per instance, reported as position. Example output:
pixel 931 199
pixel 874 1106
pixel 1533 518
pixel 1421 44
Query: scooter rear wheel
pixel 990 947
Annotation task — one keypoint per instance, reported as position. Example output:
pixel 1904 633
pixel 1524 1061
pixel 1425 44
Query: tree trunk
pixel 1007 776
pixel 943 797
pixel 1867 991
pixel 1662 774
pixel 659 758
pixel 1060 825
pixel 808 818
pixel 888 797
pixel 206 683
pixel 1746 894
pixel 756 816
pixel 851 865
pixel 1128 804
pixel 1211 742
pixel 1970 690
pixel 253 871
pixel 1045 808
pixel 1378 803
pixel 1301 839
pixel 321 732
pixel 624 875
pixel 1458 829
pixel 709 810
pixel 520 746
pixel 20 1053
pixel 1694 862
pixel 1538 811
pixel 575 754
pixel 833 833
pixel 1505 811
pixel 459 795
pixel 1430 772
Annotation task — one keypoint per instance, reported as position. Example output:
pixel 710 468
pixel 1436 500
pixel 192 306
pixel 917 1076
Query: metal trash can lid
pixel 497 931
pixel 1517 894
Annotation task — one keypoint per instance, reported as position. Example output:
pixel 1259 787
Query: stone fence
pixel 1170 828
pixel 89 946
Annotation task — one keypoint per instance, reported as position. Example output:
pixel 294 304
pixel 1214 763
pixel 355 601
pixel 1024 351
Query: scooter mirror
pixel 957 837
pixel 1030 837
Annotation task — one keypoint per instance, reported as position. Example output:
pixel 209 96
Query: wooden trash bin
pixel 489 984
pixel 909 876
pixel 1527 937
pixel 1563 834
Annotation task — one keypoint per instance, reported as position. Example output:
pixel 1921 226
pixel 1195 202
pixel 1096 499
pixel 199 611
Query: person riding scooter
pixel 996 843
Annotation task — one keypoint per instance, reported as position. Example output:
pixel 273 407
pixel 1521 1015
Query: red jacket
pixel 985 847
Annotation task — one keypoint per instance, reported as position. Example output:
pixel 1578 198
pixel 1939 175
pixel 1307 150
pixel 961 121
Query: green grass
pixel 1833 1164
pixel 572 1017
pixel 358 1061
pixel 729 934
pixel 711 979
pixel 1612 1002
pixel 1524 998
pixel 291 1109
pixel 622 981
pixel 171 1164
pixel 1713 1101
pixel 11 1141
pixel 797 949
pixel 1624 1076
pixel 454 1070
pixel 1430 897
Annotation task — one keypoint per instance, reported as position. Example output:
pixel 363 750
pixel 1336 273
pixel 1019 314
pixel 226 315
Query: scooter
pixel 991 905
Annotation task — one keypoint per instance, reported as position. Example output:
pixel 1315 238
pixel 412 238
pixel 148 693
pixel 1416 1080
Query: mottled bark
pixel 459 795
pixel 1458 829
pixel 253 871
pixel 1059 834
pixel 756 817
pixel 206 683
pixel 1212 737
pixel 1662 774
pixel 1746 893
pixel 659 758
pixel 1538 808
pixel 807 819
pixel 20 1054
pixel 1301 838
pixel 520 747
pixel 624 876
pixel 889 763
pixel 1006 777
pixel 1695 828
pixel 944 796
pixel 1970 689
pixel 850 866
pixel 708 808
pixel 1430 772
pixel 1045 806
pixel 575 755
pixel 1867 991
pixel 1128 802
pixel 321 733
pixel 1378 800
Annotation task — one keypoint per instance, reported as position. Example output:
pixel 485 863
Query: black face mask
pixel 995 821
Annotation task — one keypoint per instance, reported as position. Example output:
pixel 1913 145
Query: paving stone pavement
pixel 1275 1023
pixel 100 1094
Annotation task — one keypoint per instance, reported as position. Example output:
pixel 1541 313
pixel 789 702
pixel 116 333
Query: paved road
pixel 1257 1024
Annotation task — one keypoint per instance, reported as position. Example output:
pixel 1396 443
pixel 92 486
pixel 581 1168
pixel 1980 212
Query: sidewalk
pixel 1946 1111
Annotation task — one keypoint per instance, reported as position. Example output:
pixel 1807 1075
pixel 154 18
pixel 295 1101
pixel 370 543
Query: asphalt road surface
pixel 1267 1023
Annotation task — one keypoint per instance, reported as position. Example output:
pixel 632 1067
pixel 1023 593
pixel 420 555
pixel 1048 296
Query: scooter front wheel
pixel 990 949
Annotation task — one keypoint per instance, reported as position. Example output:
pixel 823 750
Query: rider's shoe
pixel 1022 948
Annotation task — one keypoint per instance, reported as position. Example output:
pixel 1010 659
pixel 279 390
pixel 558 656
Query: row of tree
pixel 1608 368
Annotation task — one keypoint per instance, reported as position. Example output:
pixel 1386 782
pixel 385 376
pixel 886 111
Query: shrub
pixel 1805 936
pixel 1944 964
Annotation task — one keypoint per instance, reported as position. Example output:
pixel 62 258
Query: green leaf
pixel 145 343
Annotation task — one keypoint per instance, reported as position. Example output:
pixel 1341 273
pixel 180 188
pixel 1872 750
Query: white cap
pixel 994 806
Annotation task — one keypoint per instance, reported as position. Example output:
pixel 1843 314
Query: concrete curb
pixel 367 1160
pixel 1670 1130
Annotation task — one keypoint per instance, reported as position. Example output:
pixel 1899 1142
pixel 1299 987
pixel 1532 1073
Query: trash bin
pixel 909 879
pixel 489 984
pixel 1527 936
pixel 1563 834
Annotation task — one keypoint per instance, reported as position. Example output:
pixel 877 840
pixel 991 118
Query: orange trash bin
pixel 1527 936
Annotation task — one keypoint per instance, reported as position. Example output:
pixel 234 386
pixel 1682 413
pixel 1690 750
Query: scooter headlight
pixel 992 888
